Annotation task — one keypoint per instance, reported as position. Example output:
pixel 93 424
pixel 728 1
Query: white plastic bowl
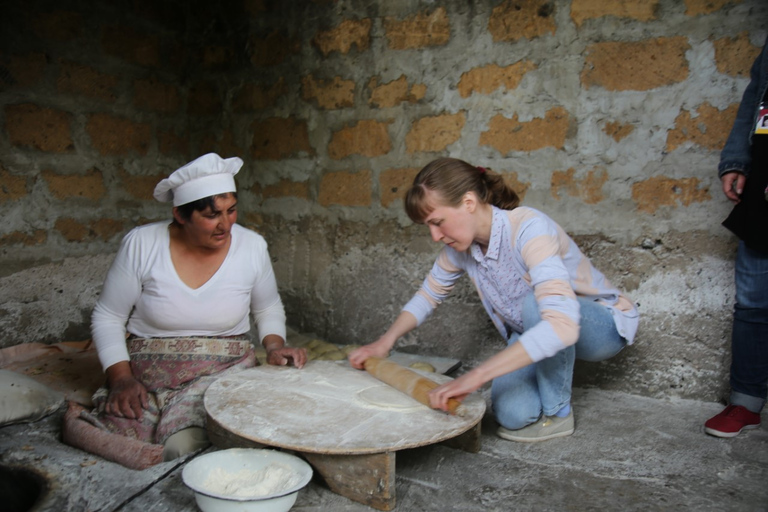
pixel 233 460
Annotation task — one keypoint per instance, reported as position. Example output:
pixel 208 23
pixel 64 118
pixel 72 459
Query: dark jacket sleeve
pixel 736 154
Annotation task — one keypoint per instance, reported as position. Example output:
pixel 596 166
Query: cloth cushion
pixel 23 399
pixel 131 453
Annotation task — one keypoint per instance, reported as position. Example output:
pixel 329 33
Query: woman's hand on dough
pixel 127 398
pixel 287 356
pixel 457 389
pixel 376 349
pixel 403 324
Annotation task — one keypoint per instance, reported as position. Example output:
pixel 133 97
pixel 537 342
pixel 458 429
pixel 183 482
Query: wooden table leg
pixel 222 438
pixel 469 441
pixel 367 479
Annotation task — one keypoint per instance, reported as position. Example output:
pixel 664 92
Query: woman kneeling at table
pixel 541 292
pixel 181 293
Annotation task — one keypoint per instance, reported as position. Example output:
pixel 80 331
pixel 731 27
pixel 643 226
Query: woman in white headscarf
pixel 182 293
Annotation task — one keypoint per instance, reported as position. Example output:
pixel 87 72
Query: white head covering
pixel 206 176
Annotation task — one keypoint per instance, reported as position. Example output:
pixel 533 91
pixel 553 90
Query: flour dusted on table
pixel 249 483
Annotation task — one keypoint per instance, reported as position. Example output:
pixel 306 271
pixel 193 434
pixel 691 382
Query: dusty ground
pixel 628 453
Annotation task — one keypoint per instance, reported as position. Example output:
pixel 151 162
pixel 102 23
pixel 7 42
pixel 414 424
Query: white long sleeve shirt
pixel 143 294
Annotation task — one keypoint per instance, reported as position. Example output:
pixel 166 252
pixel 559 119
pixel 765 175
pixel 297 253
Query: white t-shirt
pixel 143 291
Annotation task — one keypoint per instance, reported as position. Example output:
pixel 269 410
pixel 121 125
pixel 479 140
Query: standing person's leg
pixel 749 347
pixel 749 364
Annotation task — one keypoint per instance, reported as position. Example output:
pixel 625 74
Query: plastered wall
pixel 608 115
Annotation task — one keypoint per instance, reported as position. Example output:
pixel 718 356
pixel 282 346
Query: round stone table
pixel 346 423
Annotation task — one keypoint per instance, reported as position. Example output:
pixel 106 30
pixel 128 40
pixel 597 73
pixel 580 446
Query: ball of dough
pixel 313 343
pixel 346 349
pixel 261 356
pixel 333 355
pixel 325 347
pixel 421 365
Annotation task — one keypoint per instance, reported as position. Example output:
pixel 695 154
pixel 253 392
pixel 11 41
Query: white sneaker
pixel 548 427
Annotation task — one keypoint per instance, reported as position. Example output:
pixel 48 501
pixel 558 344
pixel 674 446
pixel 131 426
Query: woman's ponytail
pixel 451 178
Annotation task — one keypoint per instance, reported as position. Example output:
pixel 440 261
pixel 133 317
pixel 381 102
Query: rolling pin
pixel 407 381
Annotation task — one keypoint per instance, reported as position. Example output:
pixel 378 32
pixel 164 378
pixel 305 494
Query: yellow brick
pixel 395 92
pixel 618 130
pixel 638 66
pixel 72 230
pixel 640 10
pixel 171 143
pixel 512 180
pixel 81 79
pixel 589 188
pixel 257 97
pixel 345 189
pixel 734 56
pixel 155 95
pixel 511 135
pixel 487 79
pixel 25 70
pixel 512 20
pixel 394 183
pixel 277 138
pixel 12 187
pixel 660 191
pixel 709 128
pixel 45 129
pixel 368 138
pixel 434 133
pixel 88 186
pixel 329 94
pixel 140 187
pixel 19 238
pixel 341 38
pixel 419 31
pixel 697 7
pixel 286 188
pixel 107 229
pixel 112 135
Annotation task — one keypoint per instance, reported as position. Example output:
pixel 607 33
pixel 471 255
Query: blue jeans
pixel 520 398
pixel 749 339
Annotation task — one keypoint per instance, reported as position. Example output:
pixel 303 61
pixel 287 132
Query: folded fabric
pixel 29 351
pixel 128 452
pixel 23 399
pixel 71 368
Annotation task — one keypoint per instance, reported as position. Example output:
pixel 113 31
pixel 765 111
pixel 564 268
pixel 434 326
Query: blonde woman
pixel 543 295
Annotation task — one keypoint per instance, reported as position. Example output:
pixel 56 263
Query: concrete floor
pixel 628 453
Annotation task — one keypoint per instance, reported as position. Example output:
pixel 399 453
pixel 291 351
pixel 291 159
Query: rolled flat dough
pixel 389 398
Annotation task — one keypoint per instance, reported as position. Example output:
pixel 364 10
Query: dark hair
pixel 451 178
pixel 199 205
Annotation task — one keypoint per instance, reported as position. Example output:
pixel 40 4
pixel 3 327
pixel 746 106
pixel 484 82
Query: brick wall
pixel 607 114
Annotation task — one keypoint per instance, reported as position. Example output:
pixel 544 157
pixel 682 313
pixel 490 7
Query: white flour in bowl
pixel 249 483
